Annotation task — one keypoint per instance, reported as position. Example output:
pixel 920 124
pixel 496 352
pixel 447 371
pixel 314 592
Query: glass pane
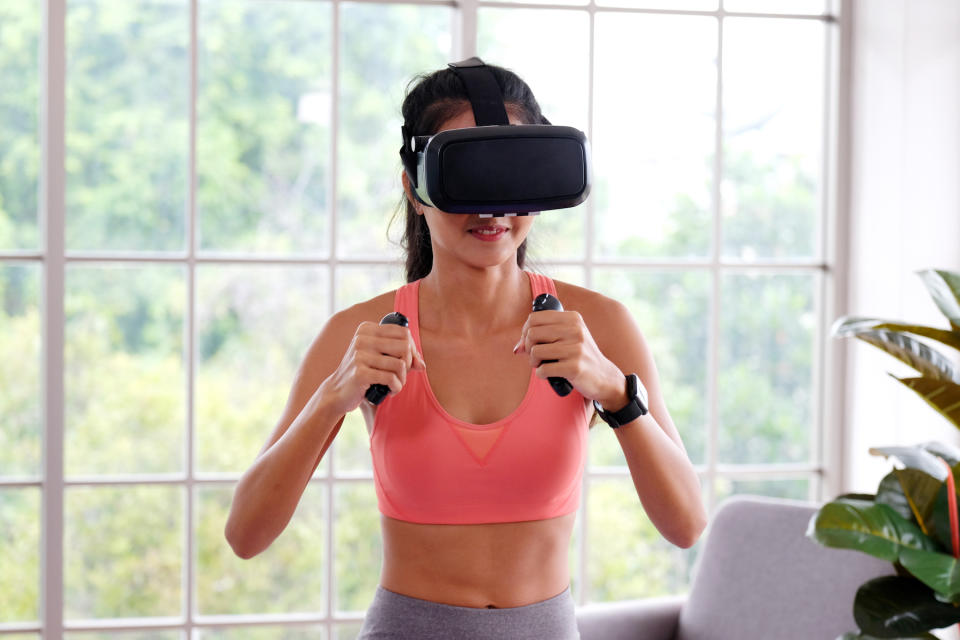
pixel 263 126
pixel 124 378
pixel 347 631
pixel 791 488
pixel 122 552
pixel 352 445
pixel 627 556
pixel 254 325
pixel 573 552
pixel 299 632
pixel 20 555
pixel 19 124
pixel 383 48
pixel 287 577
pixel 690 5
pixel 549 50
pixel 773 137
pixel 357 544
pixel 127 124
pixel 125 635
pixel 564 273
pixel 672 311
pixel 558 234
pixel 361 283
pixel 20 371
pixel 765 380
pixel 777 6
pixel 654 131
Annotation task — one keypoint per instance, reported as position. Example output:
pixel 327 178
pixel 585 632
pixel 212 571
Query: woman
pixel 477 461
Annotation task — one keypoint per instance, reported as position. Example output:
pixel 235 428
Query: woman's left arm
pixel 595 350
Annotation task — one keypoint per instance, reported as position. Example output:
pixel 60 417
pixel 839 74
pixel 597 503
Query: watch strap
pixel 636 404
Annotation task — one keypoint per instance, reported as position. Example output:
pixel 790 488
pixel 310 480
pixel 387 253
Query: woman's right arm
pixel 347 356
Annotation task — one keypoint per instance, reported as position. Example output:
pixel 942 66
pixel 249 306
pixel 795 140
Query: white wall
pixel 905 209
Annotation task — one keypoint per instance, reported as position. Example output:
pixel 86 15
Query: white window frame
pixel 826 471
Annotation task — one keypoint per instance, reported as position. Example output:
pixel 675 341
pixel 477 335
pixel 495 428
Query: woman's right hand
pixel 378 354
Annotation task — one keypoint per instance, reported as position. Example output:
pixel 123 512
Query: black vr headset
pixel 495 168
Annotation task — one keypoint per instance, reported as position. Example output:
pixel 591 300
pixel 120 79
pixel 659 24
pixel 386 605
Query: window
pixel 189 188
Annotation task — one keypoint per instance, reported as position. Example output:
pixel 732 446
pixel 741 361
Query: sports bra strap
pixel 541 284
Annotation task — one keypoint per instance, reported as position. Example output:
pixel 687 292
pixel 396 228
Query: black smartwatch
pixel 636 404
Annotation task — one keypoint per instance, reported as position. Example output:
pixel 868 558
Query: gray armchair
pixel 758 577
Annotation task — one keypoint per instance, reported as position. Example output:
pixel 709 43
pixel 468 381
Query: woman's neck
pixel 466 302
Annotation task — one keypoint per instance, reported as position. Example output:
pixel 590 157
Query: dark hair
pixel 430 100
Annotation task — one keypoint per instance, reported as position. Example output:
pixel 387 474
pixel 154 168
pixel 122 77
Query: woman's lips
pixel 488 233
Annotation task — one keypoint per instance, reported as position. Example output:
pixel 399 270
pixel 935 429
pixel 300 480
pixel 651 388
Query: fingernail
pixel 517 347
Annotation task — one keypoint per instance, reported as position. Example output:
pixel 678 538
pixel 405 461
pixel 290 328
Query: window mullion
pixel 52 216
pixel 465 36
pixel 329 569
pixel 190 570
pixel 713 352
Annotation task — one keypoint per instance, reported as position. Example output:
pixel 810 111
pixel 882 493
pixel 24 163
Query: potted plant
pixel 912 519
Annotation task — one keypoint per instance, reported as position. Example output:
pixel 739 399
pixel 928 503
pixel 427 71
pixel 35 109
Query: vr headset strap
pixel 486 98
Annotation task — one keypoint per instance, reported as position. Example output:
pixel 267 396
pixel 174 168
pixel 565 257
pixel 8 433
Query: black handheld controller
pixel 546 302
pixel 377 392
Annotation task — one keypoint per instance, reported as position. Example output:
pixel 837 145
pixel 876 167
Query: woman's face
pixel 482 242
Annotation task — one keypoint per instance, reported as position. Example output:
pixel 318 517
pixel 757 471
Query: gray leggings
pixel 393 616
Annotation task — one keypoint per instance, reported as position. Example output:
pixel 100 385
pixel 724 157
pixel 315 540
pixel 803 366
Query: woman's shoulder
pixel 372 309
pixel 586 301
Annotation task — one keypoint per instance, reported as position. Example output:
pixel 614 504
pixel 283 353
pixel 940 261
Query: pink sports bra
pixel 430 467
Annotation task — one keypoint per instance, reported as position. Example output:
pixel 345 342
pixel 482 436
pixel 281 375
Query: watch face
pixel 636 387
pixel 639 391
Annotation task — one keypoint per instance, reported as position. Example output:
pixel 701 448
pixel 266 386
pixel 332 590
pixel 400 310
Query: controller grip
pixel 377 392
pixel 547 302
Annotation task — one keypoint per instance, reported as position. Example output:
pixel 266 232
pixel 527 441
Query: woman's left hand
pixel 563 336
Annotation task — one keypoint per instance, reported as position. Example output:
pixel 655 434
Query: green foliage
pixel 20 553
pixel 900 607
pixel 772 209
pixel 127 125
pixel 869 527
pixel 19 124
pixel 123 551
pixel 287 577
pixel 628 557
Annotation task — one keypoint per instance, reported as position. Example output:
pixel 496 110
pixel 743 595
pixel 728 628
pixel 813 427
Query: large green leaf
pixel 939 571
pixel 925 359
pixel 942 395
pixel 875 529
pixel 890 492
pixel 915 457
pixel 920 491
pixel 897 607
pixel 867 497
pixel 944 287
pixel 851 326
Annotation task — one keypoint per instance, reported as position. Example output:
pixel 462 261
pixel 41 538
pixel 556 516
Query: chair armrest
pixel 645 619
